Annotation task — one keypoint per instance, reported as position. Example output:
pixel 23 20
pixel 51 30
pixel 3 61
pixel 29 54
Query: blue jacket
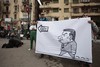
pixel 43 19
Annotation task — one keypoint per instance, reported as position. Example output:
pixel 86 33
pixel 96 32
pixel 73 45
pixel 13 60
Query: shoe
pixel 50 57
pixel 42 55
pixel 29 49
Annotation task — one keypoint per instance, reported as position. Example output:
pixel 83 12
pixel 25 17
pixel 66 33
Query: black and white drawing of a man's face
pixel 65 37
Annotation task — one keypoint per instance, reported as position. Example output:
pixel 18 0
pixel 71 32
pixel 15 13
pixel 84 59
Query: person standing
pixel 95 31
pixel 33 31
pixel 42 18
pixel 32 34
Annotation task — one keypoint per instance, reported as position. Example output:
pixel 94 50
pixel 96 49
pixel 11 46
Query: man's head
pixel 34 22
pixel 68 35
pixel 41 15
pixel 84 15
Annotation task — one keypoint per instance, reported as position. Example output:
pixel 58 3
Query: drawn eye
pixel 59 37
pixel 64 33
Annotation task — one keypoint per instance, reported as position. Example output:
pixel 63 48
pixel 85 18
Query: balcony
pixel 52 14
pixel 6 11
pixel 85 4
pixel 6 3
pixel 45 6
pixel 49 6
pixel 16 11
pixel 89 14
pixel 23 10
pixel 25 2
pixel 46 0
pixel 0 12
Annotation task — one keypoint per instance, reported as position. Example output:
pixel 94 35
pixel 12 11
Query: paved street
pixel 21 57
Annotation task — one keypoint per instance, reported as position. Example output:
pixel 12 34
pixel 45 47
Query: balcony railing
pixel 87 4
pixel 6 2
pixel 6 11
pixel 23 9
pixel 46 0
pixel 16 11
pixel 89 14
pixel 25 2
pixel 85 1
pixel 49 5
pixel 45 6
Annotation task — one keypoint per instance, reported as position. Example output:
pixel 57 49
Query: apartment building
pixel 19 10
pixel 53 9
pixel 15 11
pixel 1 10
pixel 65 9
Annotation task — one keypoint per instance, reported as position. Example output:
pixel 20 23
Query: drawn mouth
pixel 60 41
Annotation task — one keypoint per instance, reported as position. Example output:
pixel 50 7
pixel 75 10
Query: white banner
pixel 67 39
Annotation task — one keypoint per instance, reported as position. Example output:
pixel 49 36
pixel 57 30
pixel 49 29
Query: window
pixel 47 11
pixel 85 10
pixel 7 1
pixel 24 0
pixel 55 10
pixel 55 18
pixel 66 1
pixel 75 1
pixel 85 1
pixel 95 10
pixel 75 10
pixel 7 16
pixel 55 1
pixel 15 16
pixel 15 7
pixel 7 8
pixel 15 1
pixel 46 3
pixel 65 18
pixel 66 10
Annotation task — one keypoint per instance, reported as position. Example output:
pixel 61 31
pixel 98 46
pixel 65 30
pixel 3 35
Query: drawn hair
pixel 72 32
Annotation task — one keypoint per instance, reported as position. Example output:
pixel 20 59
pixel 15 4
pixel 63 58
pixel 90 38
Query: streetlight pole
pixel 28 9
pixel 28 20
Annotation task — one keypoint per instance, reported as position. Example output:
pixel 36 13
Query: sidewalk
pixel 21 57
pixel 98 41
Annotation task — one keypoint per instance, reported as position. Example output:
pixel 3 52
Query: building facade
pixel 1 4
pixel 27 10
pixel 65 9
pixel 19 9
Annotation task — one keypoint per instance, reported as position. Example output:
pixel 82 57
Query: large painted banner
pixel 66 38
